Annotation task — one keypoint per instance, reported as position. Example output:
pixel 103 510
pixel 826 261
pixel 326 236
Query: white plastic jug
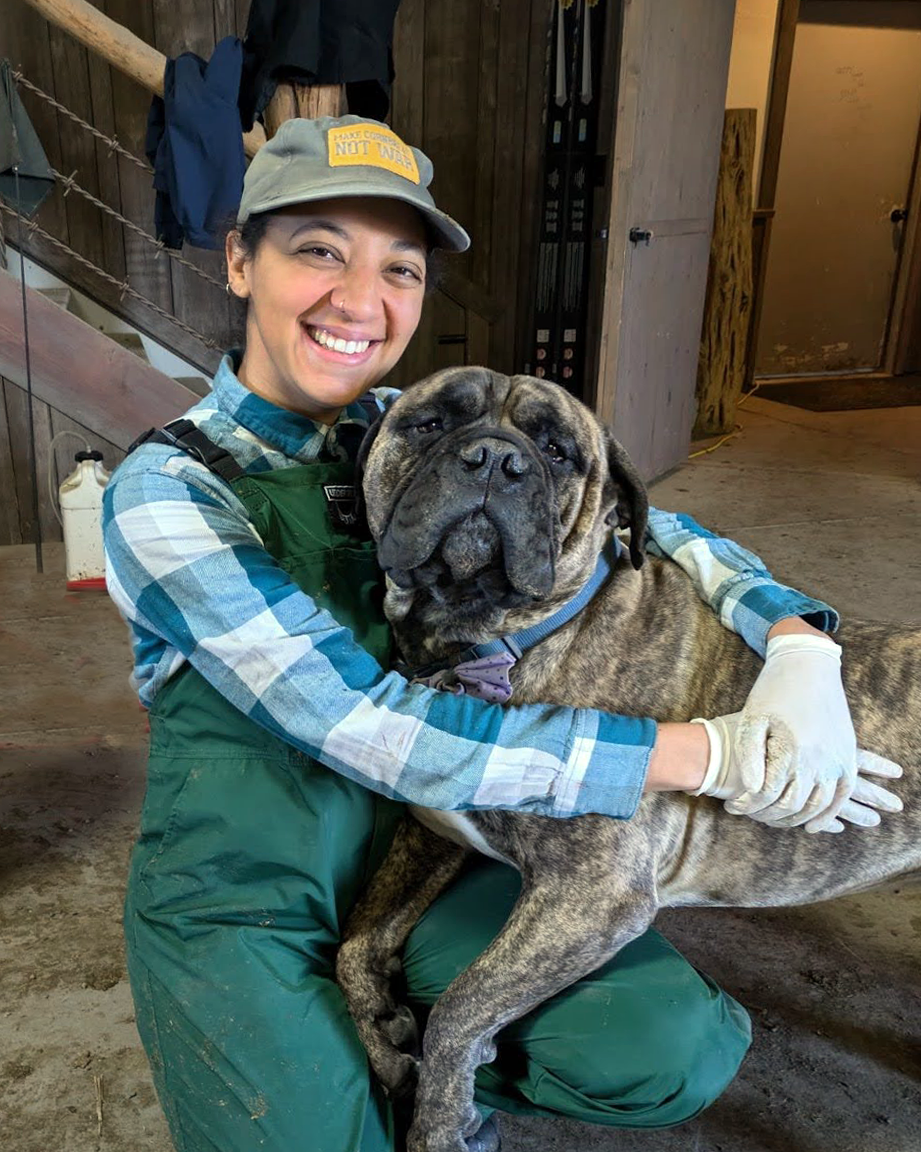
pixel 81 514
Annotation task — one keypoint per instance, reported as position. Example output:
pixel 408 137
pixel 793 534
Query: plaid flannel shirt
pixel 191 577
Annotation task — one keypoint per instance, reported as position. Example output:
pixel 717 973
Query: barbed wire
pixel 114 145
pixel 124 288
pixel 71 185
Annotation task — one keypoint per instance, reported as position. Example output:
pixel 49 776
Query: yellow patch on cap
pixel 369 144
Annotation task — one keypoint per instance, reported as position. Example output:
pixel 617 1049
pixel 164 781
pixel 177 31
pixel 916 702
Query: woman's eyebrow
pixel 321 226
pixel 409 246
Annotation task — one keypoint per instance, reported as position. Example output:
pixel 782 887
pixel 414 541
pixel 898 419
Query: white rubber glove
pixel 724 780
pixel 800 686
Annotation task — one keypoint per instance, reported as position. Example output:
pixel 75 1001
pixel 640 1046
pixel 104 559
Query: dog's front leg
pixel 557 933
pixel 417 867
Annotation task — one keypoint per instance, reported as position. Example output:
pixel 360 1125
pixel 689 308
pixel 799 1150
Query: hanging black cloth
pixel 19 144
pixel 195 144
pixel 319 42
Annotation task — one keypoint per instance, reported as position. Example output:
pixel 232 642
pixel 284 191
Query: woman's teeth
pixel 327 340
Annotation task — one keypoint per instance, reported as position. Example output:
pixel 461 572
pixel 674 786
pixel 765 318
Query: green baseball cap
pixel 323 159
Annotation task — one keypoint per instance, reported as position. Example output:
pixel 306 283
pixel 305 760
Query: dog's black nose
pixel 487 454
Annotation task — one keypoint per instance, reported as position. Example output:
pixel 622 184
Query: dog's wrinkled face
pixel 491 495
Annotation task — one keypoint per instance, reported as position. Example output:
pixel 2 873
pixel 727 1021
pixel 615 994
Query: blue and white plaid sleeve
pixel 733 581
pixel 186 568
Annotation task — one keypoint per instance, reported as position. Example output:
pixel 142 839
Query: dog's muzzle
pixel 480 507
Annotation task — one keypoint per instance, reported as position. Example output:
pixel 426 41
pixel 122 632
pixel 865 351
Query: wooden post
pixel 721 364
pixel 309 101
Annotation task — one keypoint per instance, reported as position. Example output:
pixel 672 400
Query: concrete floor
pixel 831 501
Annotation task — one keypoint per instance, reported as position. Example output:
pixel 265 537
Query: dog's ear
pixel 625 486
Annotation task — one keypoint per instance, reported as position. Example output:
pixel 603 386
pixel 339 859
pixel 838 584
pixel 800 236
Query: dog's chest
pixel 459 828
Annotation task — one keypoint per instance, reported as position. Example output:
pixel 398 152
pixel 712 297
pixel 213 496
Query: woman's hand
pixel 790 756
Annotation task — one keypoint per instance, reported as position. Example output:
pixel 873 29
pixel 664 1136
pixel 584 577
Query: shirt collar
pixel 295 435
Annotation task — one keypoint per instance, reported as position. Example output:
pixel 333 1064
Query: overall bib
pixel 250 856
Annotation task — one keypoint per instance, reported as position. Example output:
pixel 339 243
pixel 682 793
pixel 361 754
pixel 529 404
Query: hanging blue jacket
pixel 195 144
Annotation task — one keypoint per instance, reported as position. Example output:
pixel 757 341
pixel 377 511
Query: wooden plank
pixel 162 329
pixel 188 26
pixel 450 124
pixel 480 223
pixel 305 101
pixel 26 44
pixel 477 351
pixel 787 17
pixel 762 221
pixel 903 341
pixel 82 372
pixel 225 19
pixel 723 346
pixel 602 207
pixel 511 96
pixel 407 104
pixel 419 358
pixel 470 295
pixel 532 175
pixel 17 407
pixel 147 271
pixel 241 11
pixel 103 117
pixel 78 150
pixel 450 324
pixel 10 531
pixel 781 66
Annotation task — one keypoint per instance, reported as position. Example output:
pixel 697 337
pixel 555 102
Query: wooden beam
pixel 310 101
pixel 787 18
pixel 81 372
pixel 121 48
pixel 721 361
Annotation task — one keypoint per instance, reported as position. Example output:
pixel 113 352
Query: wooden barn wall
pixel 469 90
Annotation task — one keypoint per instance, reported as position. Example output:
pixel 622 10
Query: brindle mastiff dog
pixel 490 498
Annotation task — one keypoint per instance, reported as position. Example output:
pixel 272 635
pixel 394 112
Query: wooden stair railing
pixel 81 371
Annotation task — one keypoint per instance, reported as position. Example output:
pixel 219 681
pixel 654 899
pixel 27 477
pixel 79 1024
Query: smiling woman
pixel 283 747
pixel 335 292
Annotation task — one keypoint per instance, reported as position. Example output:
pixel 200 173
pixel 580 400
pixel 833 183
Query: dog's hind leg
pixel 558 932
pixel 417 868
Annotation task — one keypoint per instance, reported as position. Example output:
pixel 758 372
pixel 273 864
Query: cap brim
pixel 448 232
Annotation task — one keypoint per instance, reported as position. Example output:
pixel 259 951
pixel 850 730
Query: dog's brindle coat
pixel 490 498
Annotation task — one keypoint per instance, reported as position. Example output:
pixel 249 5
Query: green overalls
pixel 249 857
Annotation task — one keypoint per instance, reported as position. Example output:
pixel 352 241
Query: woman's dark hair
pixel 253 233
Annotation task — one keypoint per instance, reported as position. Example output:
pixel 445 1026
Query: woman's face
pixel 335 292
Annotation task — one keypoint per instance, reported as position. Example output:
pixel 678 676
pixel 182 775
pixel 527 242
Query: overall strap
pixel 186 436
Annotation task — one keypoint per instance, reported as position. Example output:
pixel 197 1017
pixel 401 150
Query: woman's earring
pixel 228 289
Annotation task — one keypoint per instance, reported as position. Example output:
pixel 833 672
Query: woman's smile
pixel 339 344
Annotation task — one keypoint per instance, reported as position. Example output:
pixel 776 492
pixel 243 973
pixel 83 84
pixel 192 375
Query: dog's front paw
pixel 398 1027
pixel 470 1135
pixel 397 1071
pixel 487 1139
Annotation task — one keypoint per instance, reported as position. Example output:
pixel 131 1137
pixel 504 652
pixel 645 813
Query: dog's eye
pixel 555 452
pixel 435 424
